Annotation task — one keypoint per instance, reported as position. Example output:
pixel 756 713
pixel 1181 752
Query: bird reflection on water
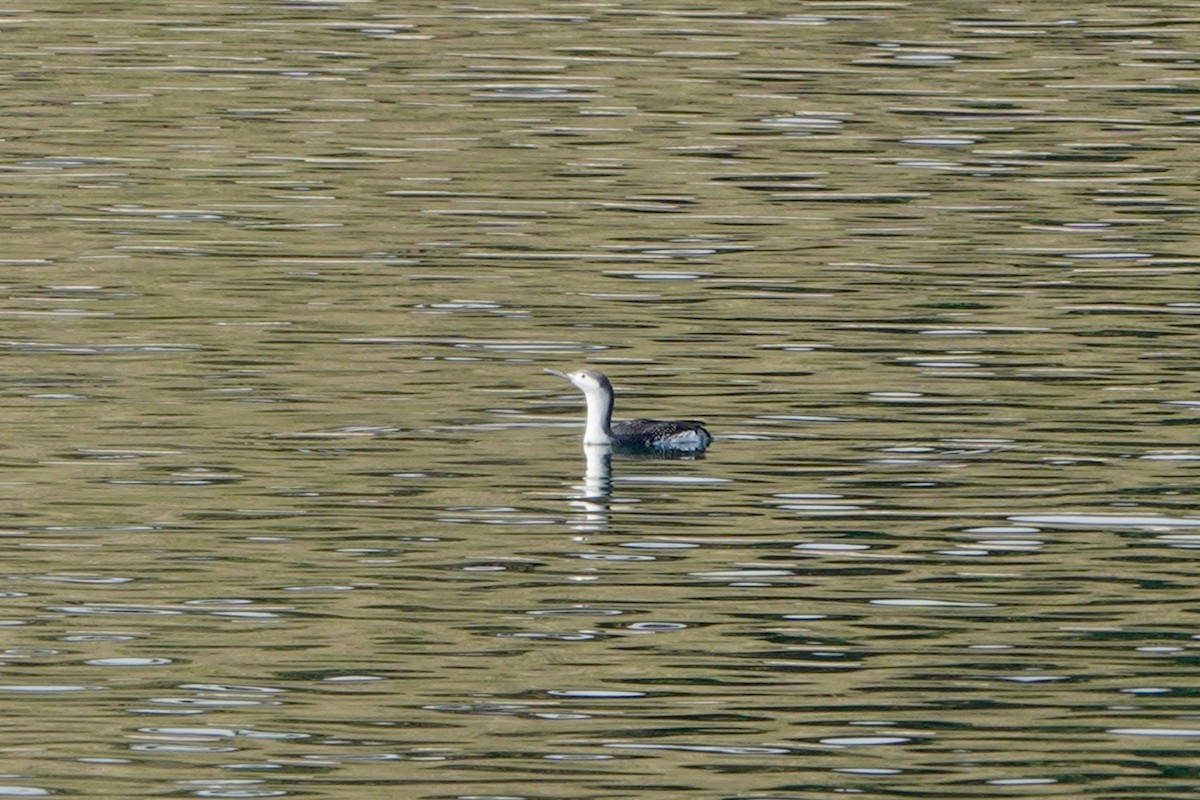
pixel 596 489
pixel 595 493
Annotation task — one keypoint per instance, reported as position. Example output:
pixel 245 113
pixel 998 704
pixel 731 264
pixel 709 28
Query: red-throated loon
pixel 634 434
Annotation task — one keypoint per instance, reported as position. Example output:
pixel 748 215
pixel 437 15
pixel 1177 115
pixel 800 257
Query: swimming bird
pixel 638 435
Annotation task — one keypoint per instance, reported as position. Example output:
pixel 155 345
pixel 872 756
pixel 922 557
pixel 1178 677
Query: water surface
pixel 291 509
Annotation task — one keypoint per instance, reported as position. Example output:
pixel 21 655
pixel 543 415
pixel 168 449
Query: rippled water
pixel 291 509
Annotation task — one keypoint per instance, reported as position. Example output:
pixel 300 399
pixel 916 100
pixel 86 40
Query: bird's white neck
pixel 599 417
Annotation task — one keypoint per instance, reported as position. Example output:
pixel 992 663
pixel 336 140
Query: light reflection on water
pixel 291 509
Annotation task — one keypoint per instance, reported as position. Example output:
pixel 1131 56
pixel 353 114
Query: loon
pixel 638 435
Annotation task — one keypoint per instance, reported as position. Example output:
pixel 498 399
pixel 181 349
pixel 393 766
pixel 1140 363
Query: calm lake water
pixel 290 508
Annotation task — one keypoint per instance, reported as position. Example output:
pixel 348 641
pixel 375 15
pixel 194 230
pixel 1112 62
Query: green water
pixel 290 508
